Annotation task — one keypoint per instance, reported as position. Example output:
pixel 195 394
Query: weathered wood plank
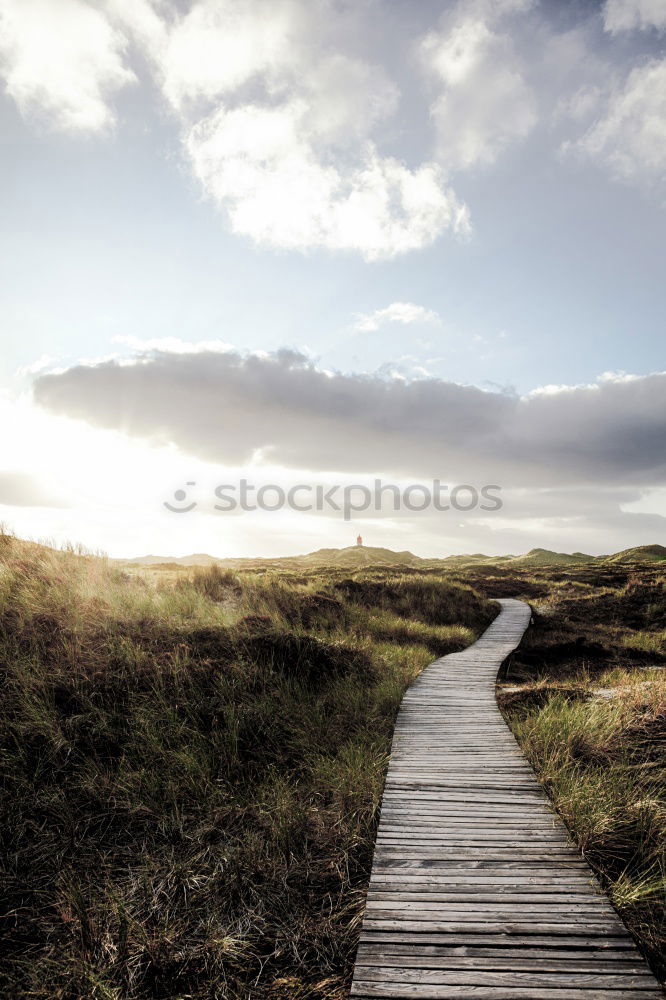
pixel 499 977
pixel 485 924
pixel 426 991
pixel 508 942
pixel 439 956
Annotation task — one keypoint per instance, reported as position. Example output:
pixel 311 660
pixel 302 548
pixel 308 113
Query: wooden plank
pixel 426 991
pixel 509 895
pixel 498 977
pixel 487 925
pixel 508 942
pixel 476 888
pixel 422 907
pixel 439 956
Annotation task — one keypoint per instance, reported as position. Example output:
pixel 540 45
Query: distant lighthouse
pixel 359 540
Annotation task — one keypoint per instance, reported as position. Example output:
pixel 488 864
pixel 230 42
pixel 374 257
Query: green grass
pixel 438 639
pixel 646 642
pixel 192 769
pixel 603 762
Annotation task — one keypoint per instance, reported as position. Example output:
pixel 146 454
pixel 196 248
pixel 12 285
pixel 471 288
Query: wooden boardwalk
pixel 477 890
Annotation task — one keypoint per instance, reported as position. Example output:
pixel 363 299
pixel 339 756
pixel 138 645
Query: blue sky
pixel 466 193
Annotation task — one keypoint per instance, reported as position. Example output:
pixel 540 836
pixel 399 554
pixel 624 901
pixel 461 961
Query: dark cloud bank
pixel 223 407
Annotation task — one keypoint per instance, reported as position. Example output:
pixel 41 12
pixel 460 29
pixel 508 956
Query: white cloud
pixel 397 312
pixel 485 102
pixel 277 122
pixel 277 135
pixel 626 15
pixel 629 137
pixel 43 363
pixel 61 61
pixel 268 51
pixel 219 45
pixel 146 22
pixel 263 166
pixel 282 113
pixel 275 132
pixel 333 85
pixel 283 116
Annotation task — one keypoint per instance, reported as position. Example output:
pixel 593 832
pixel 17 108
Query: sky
pixel 318 243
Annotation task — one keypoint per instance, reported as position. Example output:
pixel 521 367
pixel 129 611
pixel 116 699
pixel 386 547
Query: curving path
pixel 477 890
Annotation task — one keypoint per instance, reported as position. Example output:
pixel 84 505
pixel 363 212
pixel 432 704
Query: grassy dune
pixel 192 769
pixel 194 757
